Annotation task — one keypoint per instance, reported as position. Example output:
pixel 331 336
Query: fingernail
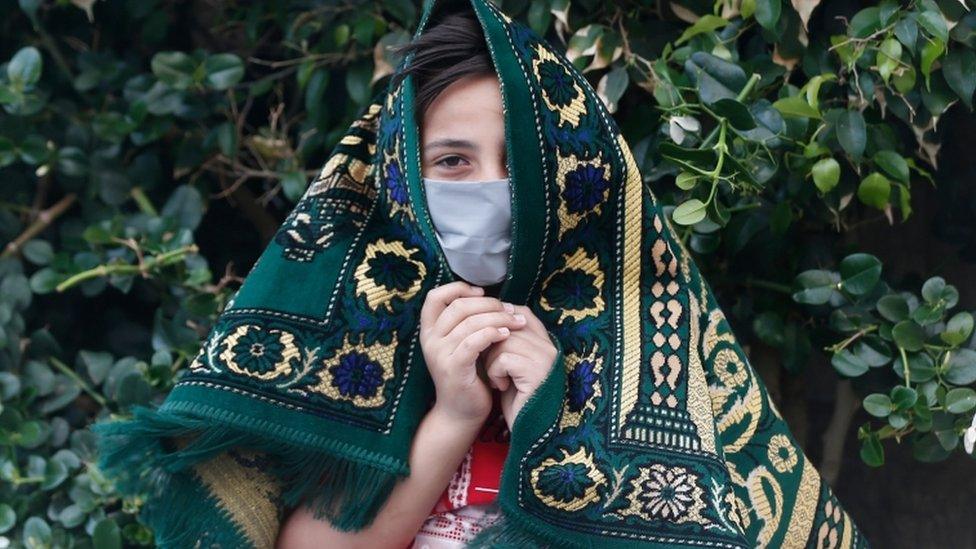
pixel 504 331
pixel 479 289
pixel 520 318
pixel 508 307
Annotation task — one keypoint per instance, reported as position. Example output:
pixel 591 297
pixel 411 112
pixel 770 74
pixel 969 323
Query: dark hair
pixel 452 48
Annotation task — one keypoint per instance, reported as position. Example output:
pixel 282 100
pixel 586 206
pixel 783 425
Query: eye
pixel 452 161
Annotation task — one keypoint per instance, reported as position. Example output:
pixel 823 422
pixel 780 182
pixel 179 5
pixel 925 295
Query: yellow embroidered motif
pixel 260 352
pixel 357 373
pixel 668 493
pixel 549 481
pixel 579 261
pixel 389 270
pixel 591 365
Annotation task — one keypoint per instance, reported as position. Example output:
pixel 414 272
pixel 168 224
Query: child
pixel 480 242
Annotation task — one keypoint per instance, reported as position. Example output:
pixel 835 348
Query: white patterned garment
pixel 469 502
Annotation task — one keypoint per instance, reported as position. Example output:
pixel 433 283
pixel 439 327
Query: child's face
pixel 463 132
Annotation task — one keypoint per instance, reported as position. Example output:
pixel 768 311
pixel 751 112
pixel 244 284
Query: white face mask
pixel 473 223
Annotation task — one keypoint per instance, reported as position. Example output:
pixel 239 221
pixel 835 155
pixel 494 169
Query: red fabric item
pixel 478 476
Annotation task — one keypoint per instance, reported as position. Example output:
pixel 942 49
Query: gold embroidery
pixel 246 493
pixel 348 374
pixel 378 294
pixel 589 264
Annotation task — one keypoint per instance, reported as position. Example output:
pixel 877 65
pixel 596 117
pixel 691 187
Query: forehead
pixel 470 106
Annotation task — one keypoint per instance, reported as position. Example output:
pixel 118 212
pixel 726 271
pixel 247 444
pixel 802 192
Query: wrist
pixel 458 424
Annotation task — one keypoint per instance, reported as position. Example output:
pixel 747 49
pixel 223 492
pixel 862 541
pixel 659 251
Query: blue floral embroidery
pixel 565 481
pixel 580 381
pixel 395 183
pixel 557 83
pixel 585 187
pixel 572 289
pixel 392 271
pixel 357 375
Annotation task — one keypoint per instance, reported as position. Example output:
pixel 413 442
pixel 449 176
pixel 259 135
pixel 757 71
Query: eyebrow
pixel 451 143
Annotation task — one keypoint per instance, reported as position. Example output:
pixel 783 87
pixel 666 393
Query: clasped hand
pixel 460 329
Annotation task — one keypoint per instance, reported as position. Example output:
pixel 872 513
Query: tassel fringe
pixel 141 455
pixel 512 531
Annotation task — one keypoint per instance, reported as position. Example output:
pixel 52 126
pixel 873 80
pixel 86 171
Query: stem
pixel 746 90
pixel 743 207
pixel 160 260
pixel 837 347
pixel 904 365
pixel 43 220
pixel 769 285
pixel 77 379
pixel 145 206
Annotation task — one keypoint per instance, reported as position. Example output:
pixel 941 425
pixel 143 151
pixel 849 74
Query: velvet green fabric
pixel 651 429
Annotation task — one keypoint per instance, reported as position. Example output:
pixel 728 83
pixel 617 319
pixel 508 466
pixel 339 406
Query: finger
pixel 533 323
pixel 521 341
pixel 440 297
pixel 478 321
pixel 506 368
pixel 464 307
pixel 467 351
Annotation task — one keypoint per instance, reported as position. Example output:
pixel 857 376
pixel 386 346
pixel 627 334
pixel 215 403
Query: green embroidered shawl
pixel 651 430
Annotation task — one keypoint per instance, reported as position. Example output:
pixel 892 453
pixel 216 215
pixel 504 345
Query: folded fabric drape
pixel 651 430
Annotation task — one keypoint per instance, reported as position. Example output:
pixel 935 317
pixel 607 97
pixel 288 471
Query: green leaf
pixel 903 398
pixel 768 12
pixel 877 404
pixel 848 364
pixel 294 184
pixel 24 68
pixel 185 206
pixel 860 273
pixel 908 335
pixel 37 533
pixel 686 181
pixel 959 69
pixel 888 56
pixel 874 190
pixel 892 164
pixel 38 252
pixel 8 518
pixel 106 535
pixel 826 174
pixel 173 68
pixel 715 77
pixel 224 70
pixel 893 307
pixel 796 105
pixel 358 85
pixel 705 24
pixel 613 85
pixel 958 329
pixel 932 289
pixel 933 23
pixel 735 112
pixel 815 287
pixel 962 367
pixel 872 453
pixel 930 52
pixel 960 400
pixel 852 133
pixel 689 212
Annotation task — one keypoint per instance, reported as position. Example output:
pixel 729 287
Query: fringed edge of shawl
pixel 139 456
pixel 512 530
